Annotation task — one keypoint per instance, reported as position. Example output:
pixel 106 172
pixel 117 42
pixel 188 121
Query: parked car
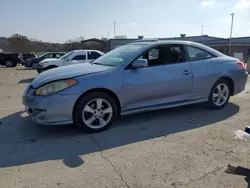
pixel 9 60
pixel 128 80
pixel 24 56
pixel 72 57
pixel 33 62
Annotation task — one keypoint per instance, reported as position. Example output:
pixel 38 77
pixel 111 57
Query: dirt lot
pixel 183 147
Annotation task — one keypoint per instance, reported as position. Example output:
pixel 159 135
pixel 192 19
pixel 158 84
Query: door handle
pixel 186 72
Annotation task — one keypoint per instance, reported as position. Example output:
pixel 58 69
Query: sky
pixel 61 20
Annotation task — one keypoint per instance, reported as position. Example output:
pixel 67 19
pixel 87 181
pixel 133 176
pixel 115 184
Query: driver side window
pixel 164 55
pixel 79 57
pixel 48 56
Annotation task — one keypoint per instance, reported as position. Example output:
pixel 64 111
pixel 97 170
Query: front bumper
pixel 55 109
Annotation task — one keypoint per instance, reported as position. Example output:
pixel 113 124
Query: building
pixel 240 47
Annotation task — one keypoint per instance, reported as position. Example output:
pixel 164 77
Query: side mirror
pixel 140 63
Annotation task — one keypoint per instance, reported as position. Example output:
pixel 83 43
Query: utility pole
pixel 114 28
pixel 201 30
pixel 231 32
pixel 108 35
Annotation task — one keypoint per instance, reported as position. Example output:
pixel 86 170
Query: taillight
pixel 241 64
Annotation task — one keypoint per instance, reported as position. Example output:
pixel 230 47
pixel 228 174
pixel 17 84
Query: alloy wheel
pixel 34 65
pixel 97 113
pixel 220 94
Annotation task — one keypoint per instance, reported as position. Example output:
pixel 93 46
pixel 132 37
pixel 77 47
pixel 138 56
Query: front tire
pixel 95 112
pixel 219 95
pixel 34 65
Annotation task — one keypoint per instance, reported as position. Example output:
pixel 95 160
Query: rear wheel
pixel 220 94
pixel 9 63
pixel 95 112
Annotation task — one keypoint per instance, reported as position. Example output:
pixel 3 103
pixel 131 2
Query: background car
pixel 24 56
pixel 9 60
pixel 33 62
pixel 137 77
pixel 72 57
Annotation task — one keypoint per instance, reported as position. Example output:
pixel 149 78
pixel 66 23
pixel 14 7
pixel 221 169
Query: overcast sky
pixel 60 20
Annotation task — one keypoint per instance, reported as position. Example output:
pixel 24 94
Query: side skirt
pixel 162 106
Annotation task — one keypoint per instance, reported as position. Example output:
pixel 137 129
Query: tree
pixel 19 43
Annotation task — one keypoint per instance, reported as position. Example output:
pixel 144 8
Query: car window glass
pixel 79 57
pixel 53 55
pixel 197 54
pixel 48 56
pixel 166 54
pixel 58 55
pixel 93 55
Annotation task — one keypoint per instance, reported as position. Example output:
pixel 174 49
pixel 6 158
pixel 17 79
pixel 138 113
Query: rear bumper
pixel 240 83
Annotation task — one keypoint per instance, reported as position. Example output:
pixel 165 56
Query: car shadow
pixel 24 142
pixel 28 80
pixel 25 68
pixel 240 171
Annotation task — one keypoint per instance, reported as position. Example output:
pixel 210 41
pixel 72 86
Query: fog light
pixel 39 113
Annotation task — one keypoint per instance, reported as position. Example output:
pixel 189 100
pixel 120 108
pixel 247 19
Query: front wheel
pixel 34 65
pixel 219 95
pixel 95 112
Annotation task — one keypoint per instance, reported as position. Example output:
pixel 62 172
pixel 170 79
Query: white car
pixel 70 58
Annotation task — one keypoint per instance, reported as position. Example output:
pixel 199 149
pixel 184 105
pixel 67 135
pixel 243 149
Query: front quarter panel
pixel 111 80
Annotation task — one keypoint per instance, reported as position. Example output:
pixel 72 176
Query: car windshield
pixel 118 55
pixel 66 56
pixel 41 55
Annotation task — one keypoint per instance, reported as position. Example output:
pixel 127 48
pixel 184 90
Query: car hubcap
pixel 34 65
pixel 220 94
pixel 8 63
pixel 97 113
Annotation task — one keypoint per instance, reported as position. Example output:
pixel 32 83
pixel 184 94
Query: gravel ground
pixel 182 147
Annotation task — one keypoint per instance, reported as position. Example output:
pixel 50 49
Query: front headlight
pixel 55 87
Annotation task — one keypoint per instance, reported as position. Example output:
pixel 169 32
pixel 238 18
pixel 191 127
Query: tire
pixel 215 94
pixel 34 65
pixel 100 120
pixel 9 63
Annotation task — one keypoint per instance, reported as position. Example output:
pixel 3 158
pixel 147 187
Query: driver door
pixel 166 79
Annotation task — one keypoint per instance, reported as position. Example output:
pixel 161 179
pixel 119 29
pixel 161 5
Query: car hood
pixel 67 72
pixel 48 59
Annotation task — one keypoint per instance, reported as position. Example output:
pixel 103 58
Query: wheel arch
pixel 104 90
pixel 230 82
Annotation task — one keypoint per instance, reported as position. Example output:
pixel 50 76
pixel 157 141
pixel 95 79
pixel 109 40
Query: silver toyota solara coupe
pixel 142 76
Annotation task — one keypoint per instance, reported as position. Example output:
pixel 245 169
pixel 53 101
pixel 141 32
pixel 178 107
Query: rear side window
pixel 79 57
pixel 195 54
pixel 93 55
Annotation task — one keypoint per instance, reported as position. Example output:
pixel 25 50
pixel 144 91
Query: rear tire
pixel 9 63
pixel 219 94
pixel 95 112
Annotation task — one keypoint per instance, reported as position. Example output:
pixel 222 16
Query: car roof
pixel 156 42
pixel 87 50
